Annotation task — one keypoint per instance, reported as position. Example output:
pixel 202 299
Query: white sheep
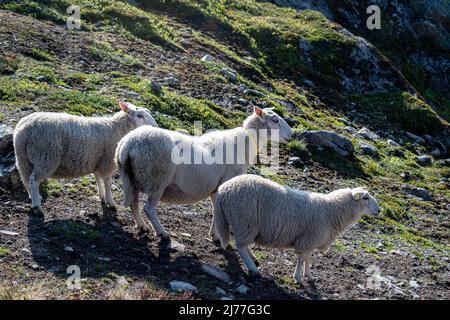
pixel 265 213
pixel 147 164
pixel 59 145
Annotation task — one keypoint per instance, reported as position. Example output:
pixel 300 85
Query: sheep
pixel 59 145
pixel 147 164
pixel 265 213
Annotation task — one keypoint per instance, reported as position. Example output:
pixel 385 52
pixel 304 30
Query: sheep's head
pixel 270 120
pixel 366 204
pixel 139 116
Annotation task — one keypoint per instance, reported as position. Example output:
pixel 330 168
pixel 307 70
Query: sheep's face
pixel 139 116
pixel 366 203
pixel 272 121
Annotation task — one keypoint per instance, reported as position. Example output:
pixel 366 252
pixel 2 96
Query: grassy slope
pixel 45 80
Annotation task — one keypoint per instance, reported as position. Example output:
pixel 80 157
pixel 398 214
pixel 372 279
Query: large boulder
pixel 328 139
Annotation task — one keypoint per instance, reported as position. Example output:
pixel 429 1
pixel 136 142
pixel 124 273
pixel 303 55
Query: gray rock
pixel 242 289
pixel 415 138
pixel 242 102
pixel 436 153
pixel 156 87
pixel 9 175
pixel 417 192
pixel 367 134
pixel 424 160
pixel 217 273
pixel 329 139
pixel 229 74
pixel 392 143
pixel 252 92
pixel 369 149
pixel 181 286
pixel 175 245
pixel 221 292
pixel 6 138
pixel 295 161
pixel 243 87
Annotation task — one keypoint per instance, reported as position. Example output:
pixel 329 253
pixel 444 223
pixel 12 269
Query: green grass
pixel 8 64
pixel 74 230
pixel 404 110
pixel 104 51
pixel 4 252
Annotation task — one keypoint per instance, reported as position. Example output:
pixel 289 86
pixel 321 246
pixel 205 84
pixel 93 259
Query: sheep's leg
pixel 298 274
pixel 134 205
pixel 101 186
pixel 35 181
pixel 308 267
pixel 150 211
pixel 212 230
pixel 108 195
pixel 250 253
pixel 248 261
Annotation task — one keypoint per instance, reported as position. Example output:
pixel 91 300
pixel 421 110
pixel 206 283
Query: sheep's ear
pixel 258 111
pixel 127 107
pixel 359 193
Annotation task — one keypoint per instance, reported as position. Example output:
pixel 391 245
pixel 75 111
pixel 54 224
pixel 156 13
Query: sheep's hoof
pixel 164 236
pixel 37 212
pixel 255 273
pixel 300 282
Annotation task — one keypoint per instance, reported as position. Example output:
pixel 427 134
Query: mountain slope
pixel 317 75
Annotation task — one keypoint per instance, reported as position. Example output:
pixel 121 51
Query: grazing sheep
pixel 147 164
pixel 263 212
pixel 60 145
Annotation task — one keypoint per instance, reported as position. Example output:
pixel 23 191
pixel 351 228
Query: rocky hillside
pixel 368 110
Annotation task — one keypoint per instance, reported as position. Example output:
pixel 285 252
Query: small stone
pixel 215 272
pixel 121 281
pixel 229 74
pixel 242 289
pixel 104 259
pixel 252 92
pixel 436 153
pixel 207 58
pixel 40 78
pixel 367 134
pixel 295 161
pixel 175 245
pixel 6 138
pixel 220 292
pixel 68 249
pixel 424 160
pixel 413 284
pixel 156 87
pixel 181 286
pixel 9 233
pixel 243 87
pixel 26 250
pixel 242 102
pixel 392 143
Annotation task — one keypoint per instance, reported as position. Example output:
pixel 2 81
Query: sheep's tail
pixel 123 161
pixel 220 223
pixel 23 164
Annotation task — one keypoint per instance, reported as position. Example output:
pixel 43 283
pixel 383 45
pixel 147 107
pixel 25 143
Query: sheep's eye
pixel 274 119
pixel 140 116
pixel 366 197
